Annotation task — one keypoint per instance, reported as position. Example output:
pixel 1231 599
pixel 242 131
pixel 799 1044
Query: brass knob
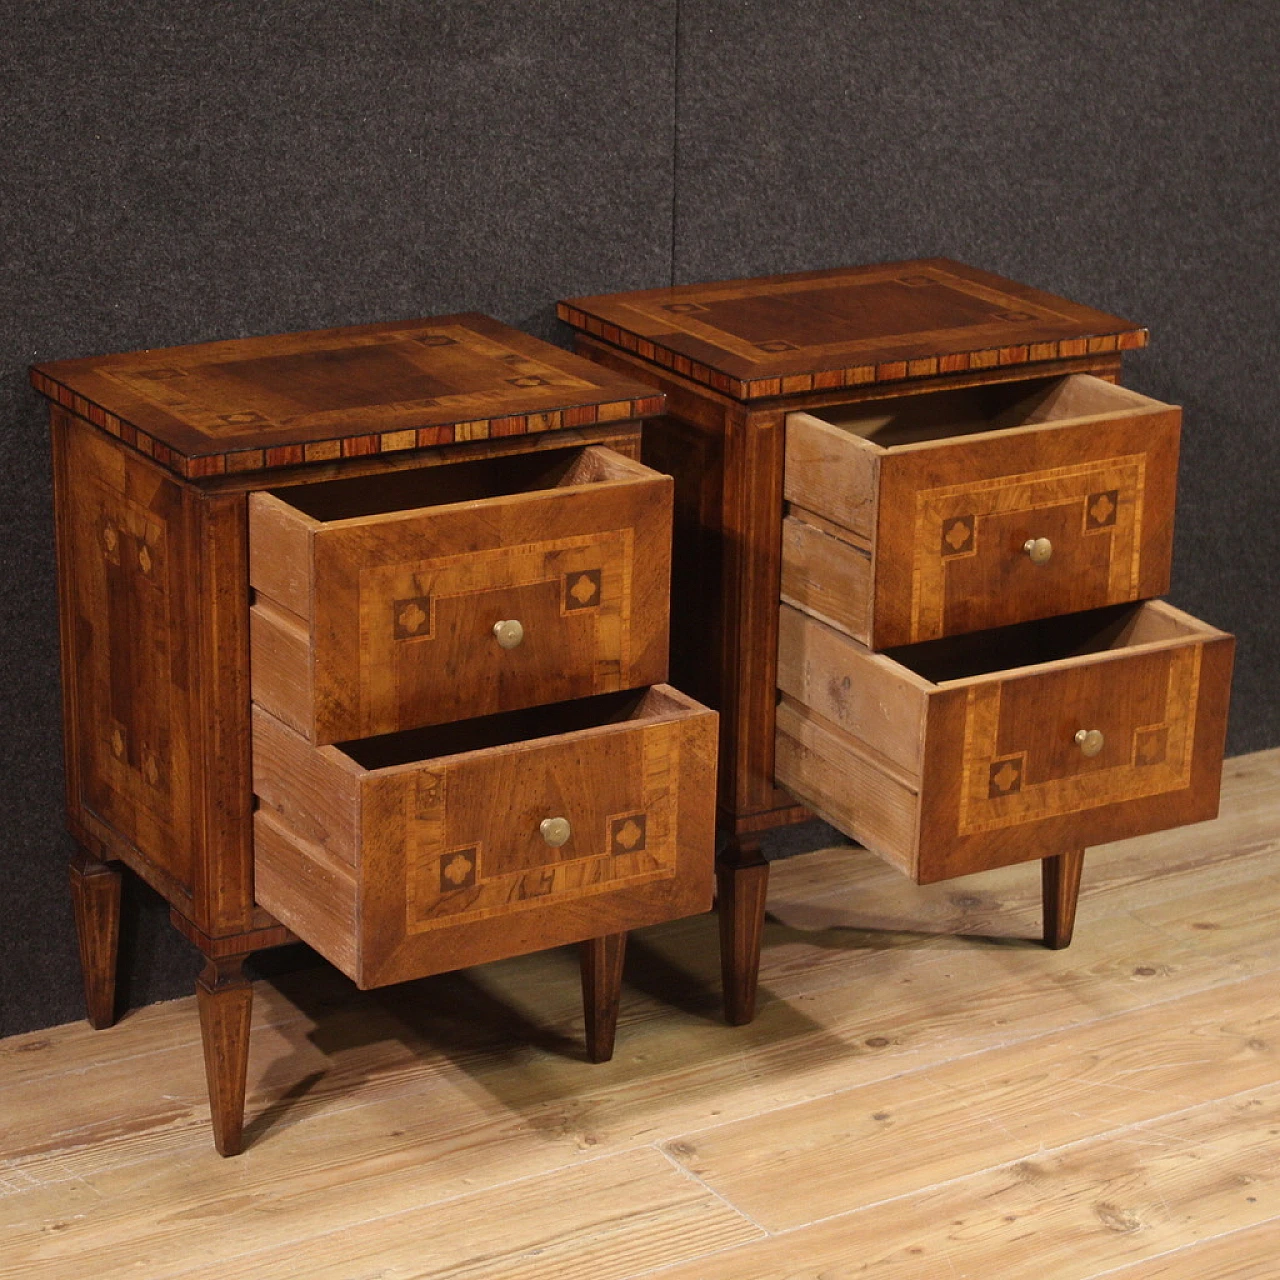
pixel 509 633
pixel 1039 549
pixel 1090 741
pixel 555 831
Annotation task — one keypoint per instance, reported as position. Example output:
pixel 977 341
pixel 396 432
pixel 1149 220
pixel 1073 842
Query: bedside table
pixel 363 633
pixel 918 529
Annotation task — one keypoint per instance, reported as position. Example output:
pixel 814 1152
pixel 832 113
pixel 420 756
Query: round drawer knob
pixel 555 831
pixel 1090 741
pixel 1039 549
pixel 509 633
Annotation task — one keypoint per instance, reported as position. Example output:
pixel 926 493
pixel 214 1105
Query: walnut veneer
pixel 366 532
pixel 872 461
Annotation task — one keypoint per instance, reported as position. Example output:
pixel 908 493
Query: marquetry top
pixel 822 330
pixel 253 403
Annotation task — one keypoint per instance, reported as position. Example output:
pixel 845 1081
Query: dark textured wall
pixel 194 169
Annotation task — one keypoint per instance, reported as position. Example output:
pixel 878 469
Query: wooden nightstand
pixel 917 529
pixel 363 639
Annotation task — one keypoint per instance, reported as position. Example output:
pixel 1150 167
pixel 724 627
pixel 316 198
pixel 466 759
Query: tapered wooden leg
pixel 742 881
pixel 1060 877
pixel 95 898
pixel 225 999
pixel 601 960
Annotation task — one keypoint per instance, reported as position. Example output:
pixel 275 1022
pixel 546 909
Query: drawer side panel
pixel 826 770
pixel 826 577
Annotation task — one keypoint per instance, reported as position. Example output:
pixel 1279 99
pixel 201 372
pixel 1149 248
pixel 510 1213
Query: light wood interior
pixel 527 724
pixel 460 482
pixel 1001 406
pixel 1028 644
pixel 925 1092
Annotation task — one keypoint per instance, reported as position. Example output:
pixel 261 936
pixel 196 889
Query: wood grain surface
pixel 978 735
pixel 393 860
pixel 944 491
pixel 378 596
pixel 246 404
pixel 846 327
pixel 960 1099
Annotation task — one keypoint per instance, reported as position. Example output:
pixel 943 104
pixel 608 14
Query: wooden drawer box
pixel 432 849
pixel 976 751
pixel 954 511
pixel 378 598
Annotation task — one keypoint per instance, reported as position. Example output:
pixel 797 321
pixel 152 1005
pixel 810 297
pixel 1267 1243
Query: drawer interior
pixel 939 415
pixel 1027 644
pixel 507 728
pixel 359 496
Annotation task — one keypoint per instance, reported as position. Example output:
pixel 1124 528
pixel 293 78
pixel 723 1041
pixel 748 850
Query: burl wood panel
pixel 951 517
pixel 382 622
pixel 437 864
pixel 848 327
pixel 996 773
pixel 154 614
pixel 248 404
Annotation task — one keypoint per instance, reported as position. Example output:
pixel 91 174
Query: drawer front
pixel 932 533
pixel 965 774
pixel 955 521
pixel 494 852
pixel 1003 767
pixel 400 611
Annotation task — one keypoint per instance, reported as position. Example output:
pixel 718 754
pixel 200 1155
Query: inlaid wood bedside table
pixel 917 528
pixel 363 640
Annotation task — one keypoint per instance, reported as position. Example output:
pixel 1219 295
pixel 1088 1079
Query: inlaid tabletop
pixel 821 330
pixel 252 403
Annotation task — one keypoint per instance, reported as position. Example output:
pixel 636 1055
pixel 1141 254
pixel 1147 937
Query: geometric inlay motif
pixel 435 340
pixel 1006 778
pixel 1014 317
pixel 144 558
pixel 995 789
pixel 412 618
pixel 1150 745
pixel 777 345
pixel 684 308
pixel 529 380
pixel 247 419
pixel 582 590
pixel 458 870
pixel 957 536
pixel 627 834
pixel 1102 508
pixel 916 282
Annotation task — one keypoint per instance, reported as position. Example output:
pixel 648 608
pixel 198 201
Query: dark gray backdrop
pixel 180 170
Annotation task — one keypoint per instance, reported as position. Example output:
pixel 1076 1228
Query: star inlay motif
pixel 458 869
pixel 412 616
pixel 1102 509
pixel 628 835
pixel 1005 777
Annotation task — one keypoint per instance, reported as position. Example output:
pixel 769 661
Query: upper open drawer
pixel 392 601
pixel 954 511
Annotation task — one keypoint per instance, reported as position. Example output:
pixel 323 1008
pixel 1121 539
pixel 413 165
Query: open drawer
pixel 428 850
pixel 420 597
pixel 1033 740
pixel 935 514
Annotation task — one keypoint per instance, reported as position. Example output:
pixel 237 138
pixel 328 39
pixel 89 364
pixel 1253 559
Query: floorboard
pixel 926 1092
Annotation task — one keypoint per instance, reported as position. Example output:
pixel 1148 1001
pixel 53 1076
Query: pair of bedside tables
pixel 364 631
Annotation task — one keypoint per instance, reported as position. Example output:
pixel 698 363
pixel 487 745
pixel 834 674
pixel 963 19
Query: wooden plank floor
pixel 925 1093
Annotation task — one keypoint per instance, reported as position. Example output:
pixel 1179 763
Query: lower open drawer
pixel 977 751
pixel 431 849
